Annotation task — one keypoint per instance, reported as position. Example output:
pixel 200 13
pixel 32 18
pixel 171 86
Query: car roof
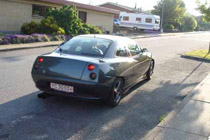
pixel 110 37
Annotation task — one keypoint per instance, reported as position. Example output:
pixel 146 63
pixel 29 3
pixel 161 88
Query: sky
pixel 144 4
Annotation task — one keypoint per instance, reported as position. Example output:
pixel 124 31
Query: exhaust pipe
pixel 42 95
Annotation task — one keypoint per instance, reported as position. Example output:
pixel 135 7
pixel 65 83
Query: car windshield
pixel 88 46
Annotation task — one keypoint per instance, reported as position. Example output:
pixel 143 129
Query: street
pixel 24 116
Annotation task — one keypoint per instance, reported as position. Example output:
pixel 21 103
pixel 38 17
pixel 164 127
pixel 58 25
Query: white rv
pixel 140 21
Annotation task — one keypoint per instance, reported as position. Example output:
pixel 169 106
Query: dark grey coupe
pixel 93 67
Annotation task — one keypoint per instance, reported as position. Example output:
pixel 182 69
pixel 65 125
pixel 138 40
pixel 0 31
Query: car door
pixel 124 63
pixel 141 60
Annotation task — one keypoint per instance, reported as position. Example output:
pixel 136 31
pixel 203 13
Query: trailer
pixel 140 21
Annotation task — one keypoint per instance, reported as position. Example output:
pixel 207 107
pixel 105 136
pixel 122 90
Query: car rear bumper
pixel 82 89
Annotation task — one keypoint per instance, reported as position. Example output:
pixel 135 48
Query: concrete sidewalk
pixel 190 120
pixel 29 45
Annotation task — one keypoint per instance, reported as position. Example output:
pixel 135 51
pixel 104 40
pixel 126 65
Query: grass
pixel 162 118
pixel 199 53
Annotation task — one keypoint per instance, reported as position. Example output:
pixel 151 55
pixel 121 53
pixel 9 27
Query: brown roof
pixel 83 6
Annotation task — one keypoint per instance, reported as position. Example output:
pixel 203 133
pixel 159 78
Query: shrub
pixel 95 30
pixel 189 23
pixel 30 28
pixel 168 27
pixel 17 39
pixel 89 29
pixel 66 17
pixel 46 26
pixel 49 26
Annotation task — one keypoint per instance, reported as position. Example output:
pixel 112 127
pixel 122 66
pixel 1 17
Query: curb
pixel 29 47
pixel 195 58
pixel 160 127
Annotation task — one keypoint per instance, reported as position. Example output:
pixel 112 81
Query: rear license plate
pixel 60 87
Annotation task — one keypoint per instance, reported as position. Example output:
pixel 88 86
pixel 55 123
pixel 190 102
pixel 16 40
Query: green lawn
pixel 199 53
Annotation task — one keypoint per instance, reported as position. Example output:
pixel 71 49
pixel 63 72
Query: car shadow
pixel 60 117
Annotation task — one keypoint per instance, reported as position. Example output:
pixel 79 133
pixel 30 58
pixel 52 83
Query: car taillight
pixel 40 60
pixel 90 67
pixel 93 76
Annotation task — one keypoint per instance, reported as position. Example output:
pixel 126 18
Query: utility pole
pixel 161 26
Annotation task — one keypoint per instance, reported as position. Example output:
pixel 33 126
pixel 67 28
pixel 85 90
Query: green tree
pixel 188 23
pixel 205 10
pixel 66 17
pixel 173 13
pixel 203 25
pixel 49 26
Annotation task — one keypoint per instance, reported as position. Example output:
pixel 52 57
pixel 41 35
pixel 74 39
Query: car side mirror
pixel 62 44
pixel 144 50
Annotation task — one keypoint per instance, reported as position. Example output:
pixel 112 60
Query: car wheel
pixel 150 71
pixel 116 93
pixel 135 28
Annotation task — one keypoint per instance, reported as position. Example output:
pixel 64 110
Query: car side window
pixel 122 51
pixel 134 49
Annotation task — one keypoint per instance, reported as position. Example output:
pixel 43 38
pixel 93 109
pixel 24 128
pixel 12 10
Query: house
pixel 14 13
pixel 121 8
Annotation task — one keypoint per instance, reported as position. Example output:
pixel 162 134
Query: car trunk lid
pixel 65 66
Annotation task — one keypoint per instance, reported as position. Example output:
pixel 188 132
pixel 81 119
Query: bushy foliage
pixel 188 24
pixel 174 11
pixel 49 26
pixel 30 28
pixel 203 25
pixel 205 10
pixel 20 39
pixel 46 26
pixel 89 29
pixel 168 27
pixel 60 21
pixel 66 17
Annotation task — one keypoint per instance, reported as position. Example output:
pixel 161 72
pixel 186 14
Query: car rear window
pixel 88 46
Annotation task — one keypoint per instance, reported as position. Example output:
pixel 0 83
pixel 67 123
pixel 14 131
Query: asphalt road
pixel 24 116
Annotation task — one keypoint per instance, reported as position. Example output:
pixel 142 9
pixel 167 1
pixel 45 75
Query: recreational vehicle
pixel 140 21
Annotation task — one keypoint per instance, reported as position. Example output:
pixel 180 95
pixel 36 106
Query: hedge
pixel 21 39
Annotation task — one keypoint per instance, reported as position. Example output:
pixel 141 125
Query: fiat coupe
pixel 99 67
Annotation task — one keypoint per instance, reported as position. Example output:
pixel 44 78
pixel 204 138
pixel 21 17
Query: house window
pixel 126 18
pixel 39 10
pixel 138 19
pixel 83 16
pixel 148 20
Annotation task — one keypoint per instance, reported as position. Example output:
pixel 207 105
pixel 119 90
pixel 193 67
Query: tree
pixel 205 10
pixel 203 25
pixel 66 17
pixel 188 23
pixel 173 13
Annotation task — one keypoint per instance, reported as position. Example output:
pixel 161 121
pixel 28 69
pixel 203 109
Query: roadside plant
pixel 18 39
pixel 162 118
pixel 188 23
pixel 66 17
pixel 49 26
pixel 30 28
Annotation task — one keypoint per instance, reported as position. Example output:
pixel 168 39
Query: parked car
pixel 116 22
pixel 93 67
pixel 139 21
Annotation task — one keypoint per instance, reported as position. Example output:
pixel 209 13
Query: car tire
pixel 135 28
pixel 150 70
pixel 116 93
